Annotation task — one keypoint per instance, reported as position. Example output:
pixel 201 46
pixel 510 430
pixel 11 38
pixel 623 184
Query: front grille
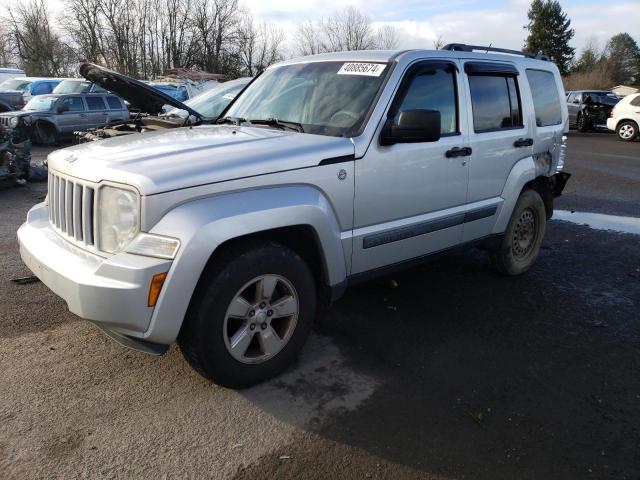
pixel 71 209
pixel 4 121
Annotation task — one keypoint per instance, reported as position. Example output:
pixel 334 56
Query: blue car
pixel 30 86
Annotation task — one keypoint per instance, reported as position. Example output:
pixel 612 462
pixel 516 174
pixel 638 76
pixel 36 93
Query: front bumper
pixel 112 292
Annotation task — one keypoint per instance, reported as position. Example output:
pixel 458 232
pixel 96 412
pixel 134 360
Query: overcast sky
pixel 499 22
pixel 483 22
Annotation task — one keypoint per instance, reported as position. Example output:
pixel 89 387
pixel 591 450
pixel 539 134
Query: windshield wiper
pixel 234 120
pixel 284 125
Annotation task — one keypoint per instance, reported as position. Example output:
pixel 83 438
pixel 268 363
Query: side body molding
pixel 203 225
pixel 522 172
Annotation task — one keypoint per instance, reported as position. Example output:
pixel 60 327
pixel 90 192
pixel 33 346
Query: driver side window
pixel 432 87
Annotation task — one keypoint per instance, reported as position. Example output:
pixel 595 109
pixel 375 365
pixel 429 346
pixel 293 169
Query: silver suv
pixel 327 170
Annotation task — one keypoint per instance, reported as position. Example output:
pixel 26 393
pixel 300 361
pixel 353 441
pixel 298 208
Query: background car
pixel 30 86
pixel 47 119
pixel 625 118
pixel 78 85
pixel 7 73
pixel 148 105
pixel 589 109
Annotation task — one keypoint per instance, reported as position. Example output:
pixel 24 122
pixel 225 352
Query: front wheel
pixel 250 315
pixel 582 124
pixel 523 237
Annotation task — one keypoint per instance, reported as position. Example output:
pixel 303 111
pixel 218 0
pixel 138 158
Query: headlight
pixel 152 245
pixel 13 122
pixel 118 218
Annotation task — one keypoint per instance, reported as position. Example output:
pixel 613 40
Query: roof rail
pixel 461 47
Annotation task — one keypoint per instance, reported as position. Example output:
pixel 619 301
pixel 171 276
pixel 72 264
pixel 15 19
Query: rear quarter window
pixel 636 101
pixel 546 101
pixel 95 103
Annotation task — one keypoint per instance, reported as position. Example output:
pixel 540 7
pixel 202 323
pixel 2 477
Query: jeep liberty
pixel 324 171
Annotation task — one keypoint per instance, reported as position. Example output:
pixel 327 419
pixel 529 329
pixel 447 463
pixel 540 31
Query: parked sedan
pixel 46 119
pixel 589 109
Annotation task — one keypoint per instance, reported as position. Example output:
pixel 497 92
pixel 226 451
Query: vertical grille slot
pixel 71 205
pixel 77 212
pixel 68 207
pixel 87 217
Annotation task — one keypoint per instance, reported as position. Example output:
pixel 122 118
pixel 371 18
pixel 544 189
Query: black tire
pixel 511 258
pixel 582 124
pixel 45 134
pixel 202 338
pixel 627 131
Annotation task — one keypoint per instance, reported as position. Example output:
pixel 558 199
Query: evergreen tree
pixel 550 32
pixel 624 59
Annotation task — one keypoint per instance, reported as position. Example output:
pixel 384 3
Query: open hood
pixel 140 96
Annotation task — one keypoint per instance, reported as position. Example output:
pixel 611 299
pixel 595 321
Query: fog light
pixel 156 286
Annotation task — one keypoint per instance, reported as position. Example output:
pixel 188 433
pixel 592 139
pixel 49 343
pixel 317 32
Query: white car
pixel 625 118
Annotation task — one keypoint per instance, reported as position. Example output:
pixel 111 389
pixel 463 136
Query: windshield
pixel 40 103
pixel 72 86
pixel 326 98
pixel 211 103
pixel 15 84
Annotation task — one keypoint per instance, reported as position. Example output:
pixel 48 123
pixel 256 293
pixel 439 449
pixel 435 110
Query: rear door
pixel 499 136
pixel 117 110
pixel 97 111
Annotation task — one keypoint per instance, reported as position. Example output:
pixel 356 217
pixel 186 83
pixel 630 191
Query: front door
pixel 410 197
pixel 73 117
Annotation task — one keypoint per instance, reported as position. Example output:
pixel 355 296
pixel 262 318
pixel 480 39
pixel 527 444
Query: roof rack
pixel 461 47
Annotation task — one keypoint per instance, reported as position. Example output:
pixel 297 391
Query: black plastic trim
pixel 489 241
pixel 490 68
pixel 332 160
pixel 430 226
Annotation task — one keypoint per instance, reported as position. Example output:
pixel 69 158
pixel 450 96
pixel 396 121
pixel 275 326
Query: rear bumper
pixel 111 292
pixel 611 124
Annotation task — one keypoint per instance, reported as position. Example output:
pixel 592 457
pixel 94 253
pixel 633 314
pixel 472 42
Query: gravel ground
pixel 455 372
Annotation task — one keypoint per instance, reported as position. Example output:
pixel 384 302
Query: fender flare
pixel 522 173
pixel 203 225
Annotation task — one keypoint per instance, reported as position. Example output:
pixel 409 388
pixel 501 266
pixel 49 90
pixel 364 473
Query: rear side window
pixel 114 103
pixel 41 89
pixel 95 103
pixel 546 102
pixel 433 88
pixel 636 101
pixel 495 102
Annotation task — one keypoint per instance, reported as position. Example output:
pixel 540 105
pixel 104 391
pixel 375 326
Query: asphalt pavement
pixel 445 371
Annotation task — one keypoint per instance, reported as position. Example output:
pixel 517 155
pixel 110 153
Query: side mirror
pixel 412 126
pixel 63 108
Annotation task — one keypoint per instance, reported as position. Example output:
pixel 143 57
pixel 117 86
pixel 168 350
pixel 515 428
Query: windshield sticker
pixel 368 69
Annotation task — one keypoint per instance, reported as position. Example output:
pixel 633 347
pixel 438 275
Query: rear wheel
pixel 250 315
pixel 523 237
pixel 627 131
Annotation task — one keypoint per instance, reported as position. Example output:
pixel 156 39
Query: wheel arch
pixel 299 217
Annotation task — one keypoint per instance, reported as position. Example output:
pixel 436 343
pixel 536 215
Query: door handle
pixel 523 142
pixel 458 152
